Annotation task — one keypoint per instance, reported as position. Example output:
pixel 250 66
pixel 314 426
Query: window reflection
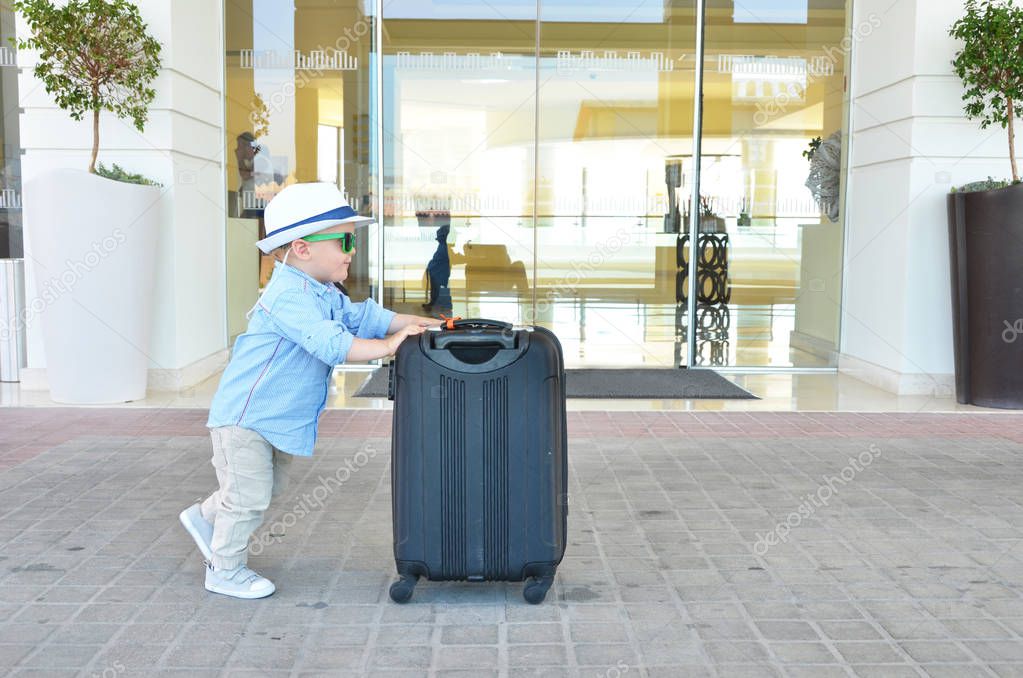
pixel 298 106
pixel 771 12
pixel 11 240
pixel 459 137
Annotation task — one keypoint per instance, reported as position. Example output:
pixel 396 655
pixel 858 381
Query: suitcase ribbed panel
pixel 454 478
pixel 495 477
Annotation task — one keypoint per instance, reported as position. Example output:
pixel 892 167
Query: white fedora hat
pixel 303 209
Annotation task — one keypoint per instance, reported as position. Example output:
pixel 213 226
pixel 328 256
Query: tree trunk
pixel 1012 142
pixel 95 140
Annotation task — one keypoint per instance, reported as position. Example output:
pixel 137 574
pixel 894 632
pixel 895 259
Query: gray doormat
pixel 646 383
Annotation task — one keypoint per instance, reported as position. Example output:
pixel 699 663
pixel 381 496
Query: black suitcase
pixel 479 487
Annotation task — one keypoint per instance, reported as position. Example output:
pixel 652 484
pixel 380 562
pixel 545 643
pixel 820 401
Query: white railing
pixel 767 66
pixel 9 199
pixel 247 200
pixel 609 60
pixel 317 60
pixel 252 200
pixel 450 61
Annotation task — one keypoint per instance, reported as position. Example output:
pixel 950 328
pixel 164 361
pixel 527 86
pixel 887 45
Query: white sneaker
pixel 199 528
pixel 241 582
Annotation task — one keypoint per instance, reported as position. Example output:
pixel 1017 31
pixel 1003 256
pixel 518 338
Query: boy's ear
pixel 300 248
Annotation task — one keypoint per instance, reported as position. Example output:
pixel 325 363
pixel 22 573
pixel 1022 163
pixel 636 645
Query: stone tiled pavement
pixel 908 564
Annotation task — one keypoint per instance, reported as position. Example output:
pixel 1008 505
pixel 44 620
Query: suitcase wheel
pixel 401 590
pixel 536 589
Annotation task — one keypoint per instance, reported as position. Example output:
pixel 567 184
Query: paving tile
pixel 997 651
pixel 609 656
pixel 816 671
pixel 869 652
pixel 1008 670
pixel 787 630
pixel 211 654
pixel 469 635
pixel 61 656
pixel 849 630
pixel 737 652
pixel 932 652
pixel 802 653
pixel 884 671
pixel 959 670
pixel 722 629
pixel 581 632
pixel 12 654
pixel 462 657
pixel 397 657
pixel 389 635
pixel 536 655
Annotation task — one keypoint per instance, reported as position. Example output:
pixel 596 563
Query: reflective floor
pixel 778 392
pixel 632 334
pixel 617 304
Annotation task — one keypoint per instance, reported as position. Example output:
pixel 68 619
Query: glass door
pixel 298 109
pixel 769 268
pixel 459 90
pixel 616 90
pixel 615 181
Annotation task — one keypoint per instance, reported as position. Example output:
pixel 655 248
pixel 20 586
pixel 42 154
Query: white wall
pixel 182 148
pixel 910 143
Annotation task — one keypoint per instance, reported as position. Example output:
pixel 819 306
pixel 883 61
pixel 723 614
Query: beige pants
pixel 250 471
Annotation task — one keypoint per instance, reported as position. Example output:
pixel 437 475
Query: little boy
pixel 275 387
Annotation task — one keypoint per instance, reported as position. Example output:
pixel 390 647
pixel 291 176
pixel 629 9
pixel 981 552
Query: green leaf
pixel 118 173
pixel 990 62
pixel 94 55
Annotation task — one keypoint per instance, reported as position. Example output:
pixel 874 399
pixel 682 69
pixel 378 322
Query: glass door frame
pixel 694 198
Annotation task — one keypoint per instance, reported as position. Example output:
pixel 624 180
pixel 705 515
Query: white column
pixel 909 144
pixel 183 149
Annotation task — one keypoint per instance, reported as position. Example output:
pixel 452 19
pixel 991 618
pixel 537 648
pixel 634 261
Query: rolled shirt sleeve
pixel 366 319
pixel 327 340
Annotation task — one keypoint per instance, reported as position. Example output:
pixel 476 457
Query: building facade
pixel 535 162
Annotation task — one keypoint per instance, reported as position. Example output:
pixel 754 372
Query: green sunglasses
pixel 347 239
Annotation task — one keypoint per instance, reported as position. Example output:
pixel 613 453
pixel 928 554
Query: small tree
pixel 94 55
pixel 990 65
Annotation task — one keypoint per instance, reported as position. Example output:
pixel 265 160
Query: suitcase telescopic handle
pixel 466 323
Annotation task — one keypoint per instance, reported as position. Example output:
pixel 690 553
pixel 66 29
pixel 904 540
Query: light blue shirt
pixel 276 383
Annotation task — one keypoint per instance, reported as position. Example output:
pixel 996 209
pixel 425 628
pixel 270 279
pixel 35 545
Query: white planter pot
pixel 94 252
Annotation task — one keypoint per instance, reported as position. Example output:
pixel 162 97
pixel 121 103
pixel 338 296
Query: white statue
pixel 825 172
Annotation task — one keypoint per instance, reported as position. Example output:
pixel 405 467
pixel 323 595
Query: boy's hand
pixel 404 320
pixel 394 341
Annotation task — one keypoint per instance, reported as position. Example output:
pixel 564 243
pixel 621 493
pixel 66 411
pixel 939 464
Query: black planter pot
pixel 986 252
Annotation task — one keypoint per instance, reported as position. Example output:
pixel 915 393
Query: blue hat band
pixel 344 212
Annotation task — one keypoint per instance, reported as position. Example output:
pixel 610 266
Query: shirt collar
pixel 319 288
